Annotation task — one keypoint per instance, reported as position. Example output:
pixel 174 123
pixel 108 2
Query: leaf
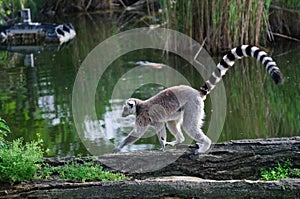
pixel 4 129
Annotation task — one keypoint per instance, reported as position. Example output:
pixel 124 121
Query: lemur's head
pixel 129 107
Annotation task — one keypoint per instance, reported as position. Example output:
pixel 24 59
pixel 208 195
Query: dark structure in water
pixel 35 33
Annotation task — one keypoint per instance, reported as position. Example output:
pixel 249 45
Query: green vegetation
pixel 3 12
pixel 21 162
pixel 283 170
pixel 18 162
pixel 292 4
pixel 220 24
pixel 9 8
pixel 87 171
pixel 4 129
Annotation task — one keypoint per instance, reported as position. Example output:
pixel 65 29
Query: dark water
pixel 37 101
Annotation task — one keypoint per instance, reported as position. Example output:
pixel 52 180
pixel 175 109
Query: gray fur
pixel 176 106
pixel 184 106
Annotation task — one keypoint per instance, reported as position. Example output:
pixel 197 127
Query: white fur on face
pixel 129 108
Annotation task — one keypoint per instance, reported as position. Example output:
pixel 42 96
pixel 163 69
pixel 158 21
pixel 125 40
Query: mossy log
pixel 242 159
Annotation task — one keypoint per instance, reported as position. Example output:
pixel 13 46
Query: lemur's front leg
pixel 133 136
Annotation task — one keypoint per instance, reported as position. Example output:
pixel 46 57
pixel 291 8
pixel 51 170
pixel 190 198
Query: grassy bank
pixel 21 162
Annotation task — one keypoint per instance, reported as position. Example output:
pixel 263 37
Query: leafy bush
pixel 20 162
pixel 87 171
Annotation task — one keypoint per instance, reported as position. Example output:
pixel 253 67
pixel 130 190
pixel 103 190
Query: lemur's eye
pixel 130 103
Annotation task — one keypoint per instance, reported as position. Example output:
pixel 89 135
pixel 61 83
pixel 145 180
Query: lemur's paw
pixel 171 143
pixel 161 149
pixel 116 150
pixel 202 148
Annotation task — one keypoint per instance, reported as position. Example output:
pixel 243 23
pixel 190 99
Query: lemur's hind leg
pixel 161 134
pixel 192 123
pixel 175 130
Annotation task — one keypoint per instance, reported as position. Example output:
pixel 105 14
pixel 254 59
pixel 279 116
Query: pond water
pixel 36 101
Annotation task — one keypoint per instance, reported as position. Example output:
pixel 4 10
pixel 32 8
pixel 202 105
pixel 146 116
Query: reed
pixel 221 24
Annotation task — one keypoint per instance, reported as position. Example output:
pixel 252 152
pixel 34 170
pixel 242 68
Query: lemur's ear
pixel 131 103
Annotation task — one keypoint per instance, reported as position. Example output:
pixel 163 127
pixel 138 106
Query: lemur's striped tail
pixel 238 53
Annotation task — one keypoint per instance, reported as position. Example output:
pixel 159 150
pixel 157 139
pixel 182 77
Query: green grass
pixel 87 171
pixel 283 170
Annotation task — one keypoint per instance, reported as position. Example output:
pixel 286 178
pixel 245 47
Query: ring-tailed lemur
pixel 183 105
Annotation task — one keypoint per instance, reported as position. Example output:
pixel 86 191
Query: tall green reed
pixel 221 24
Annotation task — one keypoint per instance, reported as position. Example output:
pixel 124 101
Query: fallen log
pixel 168 187
pixel 230 170
pixel 242 159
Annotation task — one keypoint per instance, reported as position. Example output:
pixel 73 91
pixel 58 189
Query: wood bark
pixel 168 187
pixel 242 159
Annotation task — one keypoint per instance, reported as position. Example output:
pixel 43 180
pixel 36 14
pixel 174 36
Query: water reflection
pixel 37 100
